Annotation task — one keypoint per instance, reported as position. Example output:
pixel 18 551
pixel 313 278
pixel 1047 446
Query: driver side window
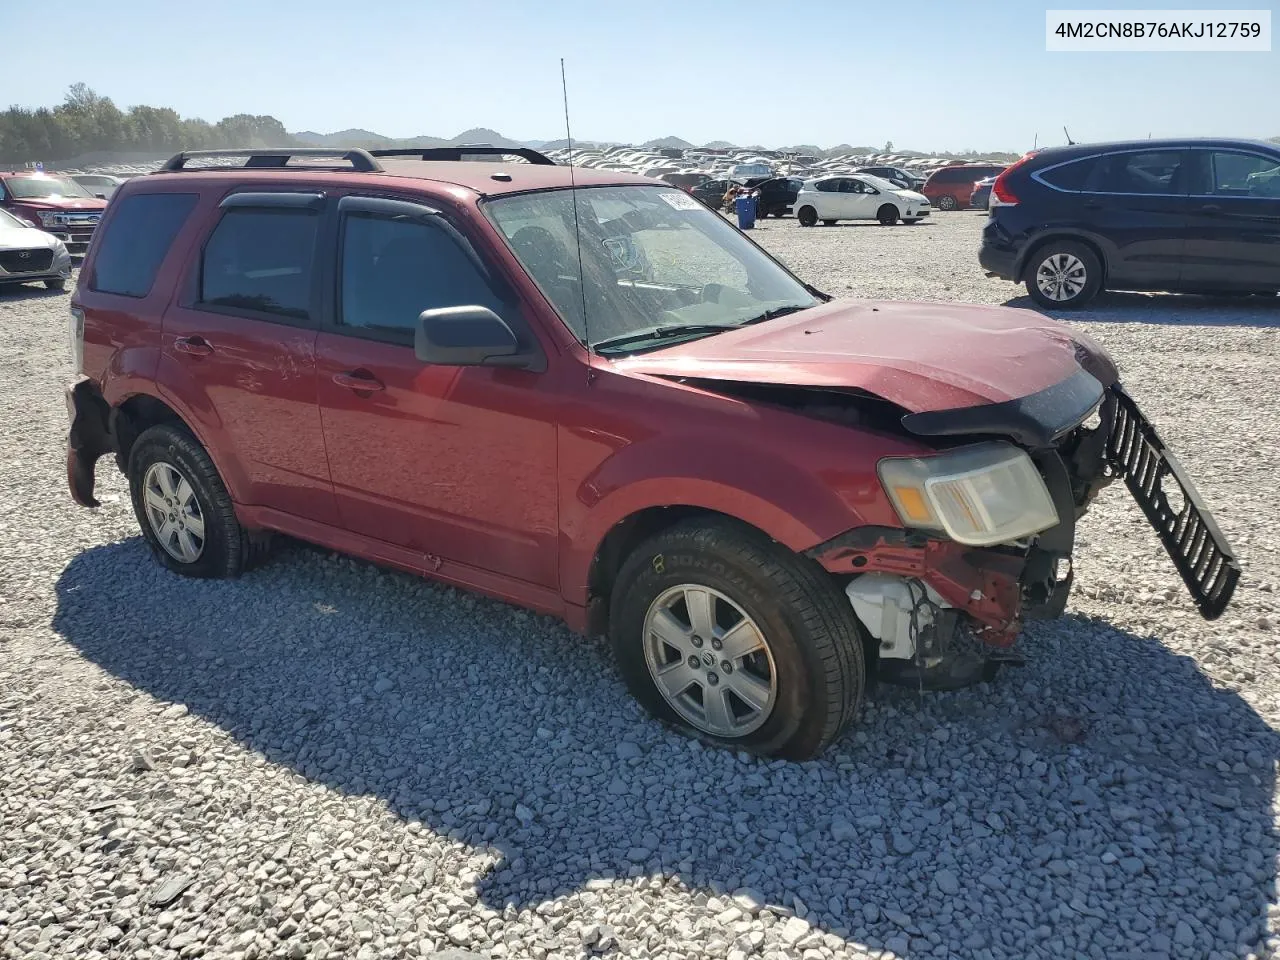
pixel 392 270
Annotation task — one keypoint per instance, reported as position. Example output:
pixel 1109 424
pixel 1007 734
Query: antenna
pixel 1070 142
pixel 577 230
pixel 1036 142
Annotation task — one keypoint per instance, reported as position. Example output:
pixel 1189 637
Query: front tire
pixel 183 507
pixel 807 216
pixel 722 632
pixel 887 215
pixel 1063 274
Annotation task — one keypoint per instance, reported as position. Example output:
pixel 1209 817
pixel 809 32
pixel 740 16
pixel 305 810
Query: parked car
pixel 29 254
pixel 951 187
pixel 981 193
pixel 862 197
pixel 99 184
pixel 489 398
pixel 711 192
pixel 1197 216
pixel 685 181
pixel 777 196
pixel 58 205
pixel 896 175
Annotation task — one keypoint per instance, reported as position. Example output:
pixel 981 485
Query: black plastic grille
pixel 26 261
pixel 1173 507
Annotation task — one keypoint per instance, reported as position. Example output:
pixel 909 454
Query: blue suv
pixel 1194 216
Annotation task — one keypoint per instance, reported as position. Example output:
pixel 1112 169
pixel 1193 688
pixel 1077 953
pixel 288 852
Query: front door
pixel 1234 241
pixel 457 463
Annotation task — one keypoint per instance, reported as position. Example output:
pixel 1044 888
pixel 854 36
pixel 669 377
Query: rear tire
pixel 1063 275
pixel 807 216
pixel 887 215
pixel 946 202
pixel 183 507
pixel 755 595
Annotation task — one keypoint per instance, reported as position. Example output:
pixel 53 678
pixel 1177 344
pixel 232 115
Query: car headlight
pixel 980 495
pixel 48 218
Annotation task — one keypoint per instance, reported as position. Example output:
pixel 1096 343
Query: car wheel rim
pixel 173 512
pixel 1061 277
pixel 710 661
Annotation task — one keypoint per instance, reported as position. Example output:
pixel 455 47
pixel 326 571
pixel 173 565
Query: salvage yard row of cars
pixel 607 346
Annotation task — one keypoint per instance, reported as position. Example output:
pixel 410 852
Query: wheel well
pixel 620 542
pixel 1040 244
pixel 131 418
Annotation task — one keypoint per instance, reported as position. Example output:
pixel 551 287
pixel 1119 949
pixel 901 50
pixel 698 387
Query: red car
pixel 57 205
pixel 951 188
pixel 611 407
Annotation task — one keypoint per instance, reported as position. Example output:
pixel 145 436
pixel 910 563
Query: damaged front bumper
pixel 990 592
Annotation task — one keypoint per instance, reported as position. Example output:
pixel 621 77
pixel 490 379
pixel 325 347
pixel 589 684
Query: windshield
pixel 651 257
pixel 879 182
pixel 43 188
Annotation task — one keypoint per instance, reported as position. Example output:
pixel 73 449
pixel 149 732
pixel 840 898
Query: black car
pixel 712 191
pixel 903 178
pixel 777 196
pixel 1195 216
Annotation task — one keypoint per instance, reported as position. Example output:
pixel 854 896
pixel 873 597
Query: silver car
pixel 28 254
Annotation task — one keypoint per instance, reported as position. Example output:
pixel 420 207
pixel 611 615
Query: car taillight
pixel 75 331
pixel 1002 194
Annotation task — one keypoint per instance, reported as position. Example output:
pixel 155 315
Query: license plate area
pixel 1173 507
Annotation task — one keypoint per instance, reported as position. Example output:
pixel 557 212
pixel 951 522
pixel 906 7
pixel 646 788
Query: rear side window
pixel 135 240
pixel 1157 172
pixel 948 175
pixel 392 270
pixel 260 260
pixel 1070 176
pixel 828 186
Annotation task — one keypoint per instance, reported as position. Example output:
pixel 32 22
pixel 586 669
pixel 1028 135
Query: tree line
pixel 86 122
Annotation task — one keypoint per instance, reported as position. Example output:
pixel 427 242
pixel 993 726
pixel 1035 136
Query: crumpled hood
pixel 923 357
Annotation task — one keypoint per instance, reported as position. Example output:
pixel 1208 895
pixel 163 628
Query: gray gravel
pixel 326 759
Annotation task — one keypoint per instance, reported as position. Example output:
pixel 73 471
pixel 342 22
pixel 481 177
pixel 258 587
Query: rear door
pixel 1135 203
pixel 238 352
pixel 1234 212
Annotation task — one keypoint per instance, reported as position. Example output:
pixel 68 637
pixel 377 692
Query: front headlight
pixel 979 495
pixel 48 218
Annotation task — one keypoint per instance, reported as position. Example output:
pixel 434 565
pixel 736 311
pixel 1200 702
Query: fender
pixel 202 419
pixel 797 506
pixel 1105 247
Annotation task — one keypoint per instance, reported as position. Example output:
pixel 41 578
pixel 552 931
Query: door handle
pixel 359 381
pixel 1211 207
pixel 193 346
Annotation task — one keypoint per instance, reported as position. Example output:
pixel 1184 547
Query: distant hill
pixel 720 145
pixel 674 143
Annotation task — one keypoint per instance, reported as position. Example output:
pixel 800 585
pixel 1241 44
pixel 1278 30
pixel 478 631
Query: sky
pixel 925 75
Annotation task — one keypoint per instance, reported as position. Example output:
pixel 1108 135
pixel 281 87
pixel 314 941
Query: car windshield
pixel 878 182
pixel 7 219
pixel 651 258
pixel 44 188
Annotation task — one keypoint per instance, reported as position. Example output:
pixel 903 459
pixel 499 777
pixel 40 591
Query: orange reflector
pixel 912 502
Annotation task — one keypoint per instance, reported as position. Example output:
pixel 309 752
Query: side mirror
pixel 471 336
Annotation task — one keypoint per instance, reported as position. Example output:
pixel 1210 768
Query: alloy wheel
pixel 1061 277
pixel 710 661
pixel 173 512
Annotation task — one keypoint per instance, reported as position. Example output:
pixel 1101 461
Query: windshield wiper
pixel 662 333
pixel 773 314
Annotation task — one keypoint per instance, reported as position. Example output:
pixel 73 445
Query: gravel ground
pixel 326 759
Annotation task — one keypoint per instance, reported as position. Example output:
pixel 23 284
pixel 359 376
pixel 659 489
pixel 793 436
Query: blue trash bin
pixel 746 209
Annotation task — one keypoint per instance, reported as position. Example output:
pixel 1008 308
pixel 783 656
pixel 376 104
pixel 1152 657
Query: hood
pixel 60 203
pixel 28 238
pixel 922 357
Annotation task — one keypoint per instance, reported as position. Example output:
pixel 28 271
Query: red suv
pixel 57 205
pixel 608 405
pixel 952 187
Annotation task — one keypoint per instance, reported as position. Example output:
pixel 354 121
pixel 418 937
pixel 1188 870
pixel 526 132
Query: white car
pixel 99 184
pixel 28 253
pixel 858 197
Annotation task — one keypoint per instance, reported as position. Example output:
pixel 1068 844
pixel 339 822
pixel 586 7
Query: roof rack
pixel 274 159
pixel 456 153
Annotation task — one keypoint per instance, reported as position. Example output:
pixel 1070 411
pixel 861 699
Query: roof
pixel 1084 149
pixel 477 176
